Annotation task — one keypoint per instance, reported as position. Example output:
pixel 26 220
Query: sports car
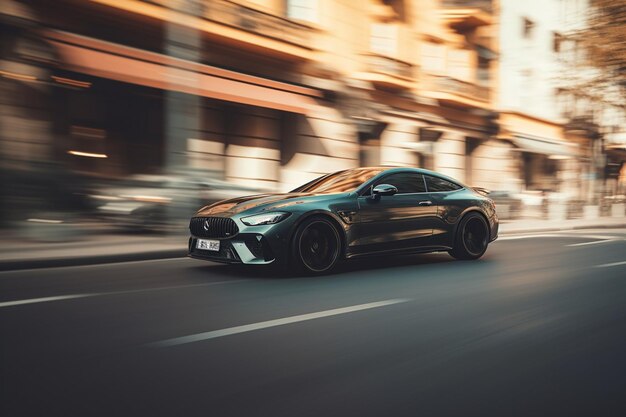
pixel 347 214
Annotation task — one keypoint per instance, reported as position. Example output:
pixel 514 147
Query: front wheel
pixel 316 246
pixel 472 237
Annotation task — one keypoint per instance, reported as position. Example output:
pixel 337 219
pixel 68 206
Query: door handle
pixel 425 203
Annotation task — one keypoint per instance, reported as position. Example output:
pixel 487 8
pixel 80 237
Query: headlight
pixel 265 218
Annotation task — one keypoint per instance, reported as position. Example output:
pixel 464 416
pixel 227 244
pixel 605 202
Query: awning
pixel 544 146
pixel 160 71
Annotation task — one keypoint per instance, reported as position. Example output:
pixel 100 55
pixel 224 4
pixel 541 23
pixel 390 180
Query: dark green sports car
pixel 347 214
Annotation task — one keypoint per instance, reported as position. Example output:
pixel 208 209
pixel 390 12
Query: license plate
pixel 204 244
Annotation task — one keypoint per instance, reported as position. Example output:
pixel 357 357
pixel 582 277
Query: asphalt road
pixel 535 328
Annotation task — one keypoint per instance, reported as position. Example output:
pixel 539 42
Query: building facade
pixel 530 37
pixel 272 93
pixel 269 93
pixel 596 121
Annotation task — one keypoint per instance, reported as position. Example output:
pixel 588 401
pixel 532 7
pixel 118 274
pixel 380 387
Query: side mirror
pixel 383 189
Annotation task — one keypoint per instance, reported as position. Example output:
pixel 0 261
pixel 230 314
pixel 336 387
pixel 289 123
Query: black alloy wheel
pixel 316 245
pixel 472 237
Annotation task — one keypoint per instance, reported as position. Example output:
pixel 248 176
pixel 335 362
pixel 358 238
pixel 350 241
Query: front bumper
pixel 244 248
pixel 255 245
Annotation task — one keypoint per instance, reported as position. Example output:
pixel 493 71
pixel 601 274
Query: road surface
pixel 535 328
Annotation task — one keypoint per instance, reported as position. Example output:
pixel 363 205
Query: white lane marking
pixel 527 236
pixel 611 264
pixel 595 242
pixel 102 294
pixel 273 323
pixel 42 300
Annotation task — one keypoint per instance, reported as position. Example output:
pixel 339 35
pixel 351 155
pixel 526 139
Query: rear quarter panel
pixel 452 206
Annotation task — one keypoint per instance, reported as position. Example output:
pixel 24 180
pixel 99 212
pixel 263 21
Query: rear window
pixel 435 184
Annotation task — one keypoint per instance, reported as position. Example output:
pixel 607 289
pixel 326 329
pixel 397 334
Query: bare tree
pixel 603 42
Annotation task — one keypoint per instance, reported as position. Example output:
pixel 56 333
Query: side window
pixel 405 182
pixel 435 184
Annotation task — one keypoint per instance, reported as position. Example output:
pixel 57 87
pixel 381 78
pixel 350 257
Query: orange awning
pixel 156 73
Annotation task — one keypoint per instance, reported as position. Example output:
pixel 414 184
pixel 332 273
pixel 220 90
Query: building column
pixel 182 111
pixel 450 154
pixel 321 142
pixel 495 166
pixel 393 142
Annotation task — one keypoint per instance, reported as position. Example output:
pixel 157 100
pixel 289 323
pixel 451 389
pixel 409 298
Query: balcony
pixel 261 23
pixel 387 72
pixel 467 15
pixel 455 92
pixel 231 24
pixel 484 5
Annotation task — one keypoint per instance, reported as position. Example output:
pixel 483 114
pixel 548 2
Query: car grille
pixel 218 227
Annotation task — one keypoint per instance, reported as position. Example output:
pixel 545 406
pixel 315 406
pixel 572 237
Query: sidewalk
pixel 92 249
pixel 508 227
pixel 17 253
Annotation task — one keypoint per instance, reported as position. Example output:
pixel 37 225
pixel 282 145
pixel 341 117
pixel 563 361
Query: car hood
pixel 261 202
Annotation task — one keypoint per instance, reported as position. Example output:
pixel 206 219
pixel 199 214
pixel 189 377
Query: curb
pixel 17 265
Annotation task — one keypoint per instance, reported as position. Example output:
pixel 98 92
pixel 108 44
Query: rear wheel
pixel 316 246
pixel 472 237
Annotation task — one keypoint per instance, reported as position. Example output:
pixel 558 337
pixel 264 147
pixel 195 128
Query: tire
pixel 472 237
pixel 316 247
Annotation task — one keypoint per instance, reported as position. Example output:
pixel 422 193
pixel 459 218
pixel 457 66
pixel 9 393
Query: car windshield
pixel 339 182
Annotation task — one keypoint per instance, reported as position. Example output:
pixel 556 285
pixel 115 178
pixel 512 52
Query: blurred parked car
pixel 150 202
pixel 613 205
pixel 508 205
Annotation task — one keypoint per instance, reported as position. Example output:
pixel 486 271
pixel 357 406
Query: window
pixel 436 184
pixel 556 42
pixel 460 64
pixel 405 182
pixel 305 10
pixel 528 26
pixel 483 71
pixel 384 38
pixel 433 57
pixel 579 53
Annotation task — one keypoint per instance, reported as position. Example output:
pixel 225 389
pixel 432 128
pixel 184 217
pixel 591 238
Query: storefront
pixel 120 118
pixel 544 156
